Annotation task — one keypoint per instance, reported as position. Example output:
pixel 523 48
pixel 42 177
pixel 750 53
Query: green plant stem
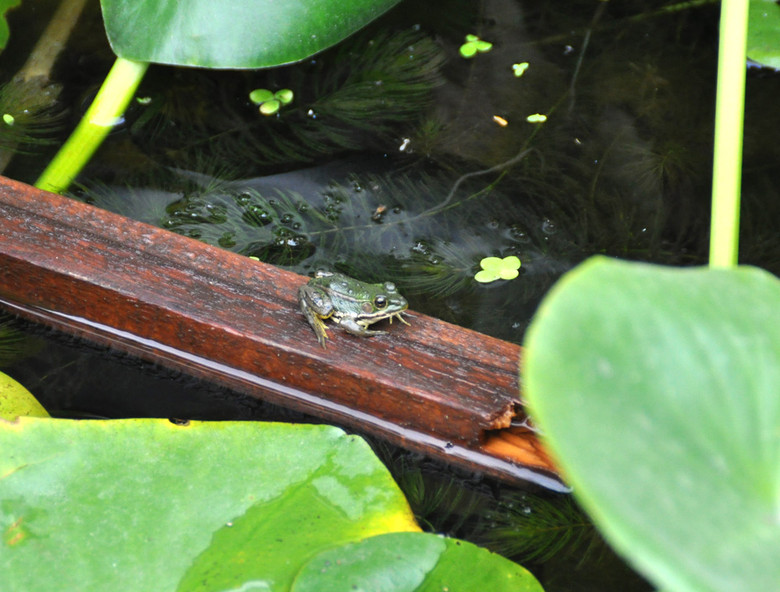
pixel 53 40
pixel 110 103
pixel 33 81
pixel 729 115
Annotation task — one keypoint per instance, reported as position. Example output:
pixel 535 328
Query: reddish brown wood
pixel 430 386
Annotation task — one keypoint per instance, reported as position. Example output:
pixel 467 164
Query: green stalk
pixel 729 115
pixel 104 113
pixel 31 90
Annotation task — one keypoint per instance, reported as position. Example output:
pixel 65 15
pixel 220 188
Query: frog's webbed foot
pixel 399 316
pixel 319 328
pixel 316 323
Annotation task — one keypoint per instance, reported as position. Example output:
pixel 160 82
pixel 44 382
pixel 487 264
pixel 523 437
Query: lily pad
pixel 658 392
pixel 232 33
pixel 5 6
pixel 155 505
pixel 151 505
pixel 15 400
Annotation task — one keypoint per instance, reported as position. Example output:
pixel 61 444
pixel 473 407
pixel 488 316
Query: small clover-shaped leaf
pixel 284 96
pixel 269 103
pixel 260 95
pixel 468 50
pixel 473 46
pixel 496 268
pixel 519 69
pixel 270 107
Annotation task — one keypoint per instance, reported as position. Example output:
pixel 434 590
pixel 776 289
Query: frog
pixel 351 304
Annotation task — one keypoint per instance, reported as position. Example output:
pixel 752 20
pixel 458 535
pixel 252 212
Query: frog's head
pixel 383 301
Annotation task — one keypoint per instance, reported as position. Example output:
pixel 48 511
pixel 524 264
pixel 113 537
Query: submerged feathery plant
pixel 370 226
pixel 14 344
pixel 513 523
pixel 421 225
pixel 351 98
pixel 537 528
pixel 267 215
pixel 28 119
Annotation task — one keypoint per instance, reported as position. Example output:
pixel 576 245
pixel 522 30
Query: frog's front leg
pixel 315 308
pixel 358 328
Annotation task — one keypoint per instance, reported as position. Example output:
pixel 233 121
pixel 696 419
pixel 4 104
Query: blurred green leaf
pixel 658 390
pixel 763 44
pixel 232 33
pixel 15 400
pixel 149 505
pixel 5 6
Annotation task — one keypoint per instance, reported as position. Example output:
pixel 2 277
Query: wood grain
pixel 431 386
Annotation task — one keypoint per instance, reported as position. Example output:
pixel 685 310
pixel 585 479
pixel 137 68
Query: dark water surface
pixel 393 123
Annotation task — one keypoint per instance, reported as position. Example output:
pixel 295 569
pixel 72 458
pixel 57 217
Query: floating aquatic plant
pixel 364 93
pixel 269 102
pixel 496 268
pixel 519 69
pixel 473 46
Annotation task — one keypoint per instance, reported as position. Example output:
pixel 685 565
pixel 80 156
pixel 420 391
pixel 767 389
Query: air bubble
pixel 549 227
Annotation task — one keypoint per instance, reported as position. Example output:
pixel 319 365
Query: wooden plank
pixel 216 314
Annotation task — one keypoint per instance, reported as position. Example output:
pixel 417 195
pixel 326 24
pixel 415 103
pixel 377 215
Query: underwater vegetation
pixel 14 343
pixel 23 130
pixel 390 158
pixel 366 171
pixel 352 98
pixel 364 225
pixel 532 528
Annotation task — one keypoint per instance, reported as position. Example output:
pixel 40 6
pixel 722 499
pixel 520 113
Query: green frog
pixel 350 303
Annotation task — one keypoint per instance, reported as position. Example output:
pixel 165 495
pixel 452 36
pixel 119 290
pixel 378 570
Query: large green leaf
pixel 763 43
pixel 232 33
pixel 658 391
pixel 15 400
pixel 5 6
pixel 149 505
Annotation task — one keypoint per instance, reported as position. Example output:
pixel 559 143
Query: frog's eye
pixel 380 301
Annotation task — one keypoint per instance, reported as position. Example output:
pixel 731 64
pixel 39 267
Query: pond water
pixel 545 532
pixel 400 159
